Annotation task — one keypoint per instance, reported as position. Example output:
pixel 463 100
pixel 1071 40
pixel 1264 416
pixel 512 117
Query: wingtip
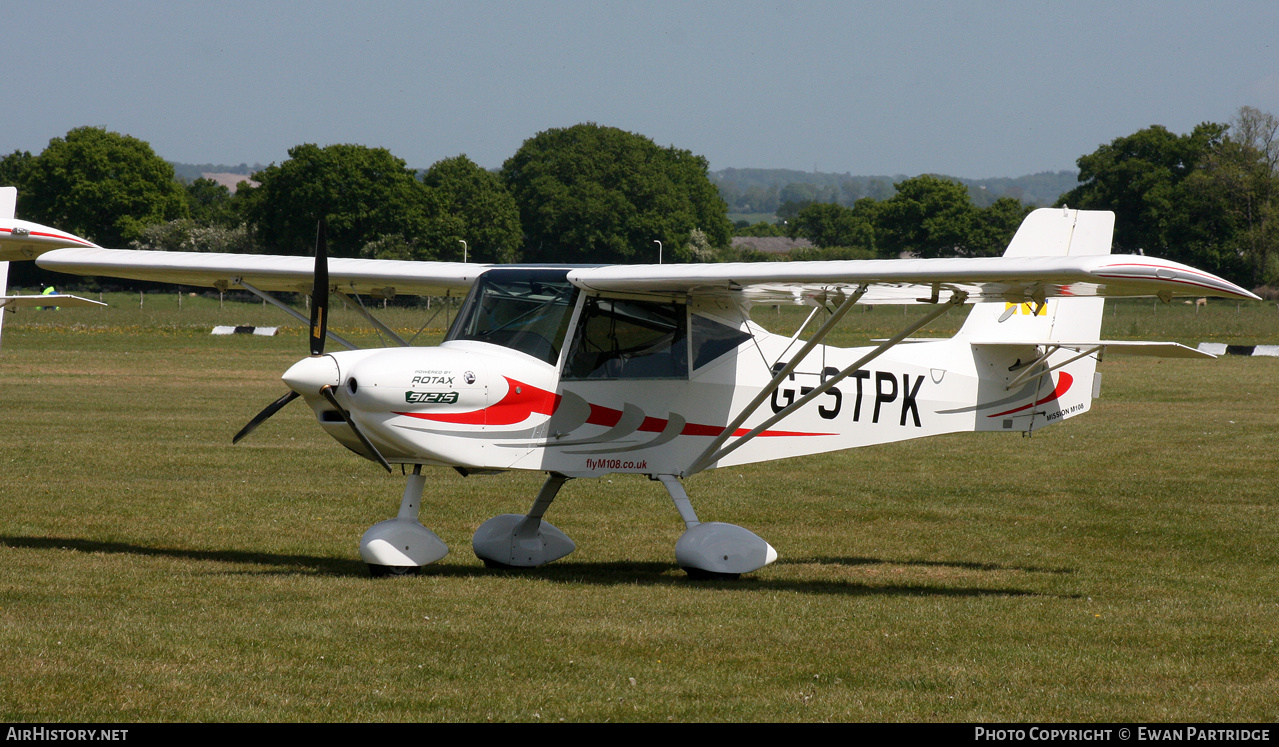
pixel 1173 278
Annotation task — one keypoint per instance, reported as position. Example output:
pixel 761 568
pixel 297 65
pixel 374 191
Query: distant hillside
pixel 192 171
pixel 763 190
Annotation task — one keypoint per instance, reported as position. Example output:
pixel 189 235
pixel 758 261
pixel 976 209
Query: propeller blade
pixel 261 417
pixel 327 391
pixel 320 292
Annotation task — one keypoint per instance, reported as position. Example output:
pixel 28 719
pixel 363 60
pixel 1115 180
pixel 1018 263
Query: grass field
pixel 1121 566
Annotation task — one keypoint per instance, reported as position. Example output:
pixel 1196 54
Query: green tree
pixel 827 225
pixel 187 235
pixel 929 216
pixel 1140 177
pixel 101 185
pixel 599 194
pixel 212 204
pixel 698 248
pixel 760 228
pixel 1240 180
pixel 364 193
pixel 790 209
pixel 800 193
pixel 13 169
pixel 996 225
pixel 476 207
pixel 390 246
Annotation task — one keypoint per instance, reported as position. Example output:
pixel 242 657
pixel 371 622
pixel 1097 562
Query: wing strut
pixel 710 455
pixel 702 460
pixel 293 312
pixel 359 307
pixel 1029 371
pixel 798 332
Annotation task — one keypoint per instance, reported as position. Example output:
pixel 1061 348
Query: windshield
pixel 523 309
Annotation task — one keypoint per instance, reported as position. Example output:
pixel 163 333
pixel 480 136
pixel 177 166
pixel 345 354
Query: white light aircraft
pixel 17 241
pixel 659 370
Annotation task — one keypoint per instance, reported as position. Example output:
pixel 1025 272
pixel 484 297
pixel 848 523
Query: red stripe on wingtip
pixel 61 237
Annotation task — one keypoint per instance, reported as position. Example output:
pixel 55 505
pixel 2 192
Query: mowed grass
pixel 1119 566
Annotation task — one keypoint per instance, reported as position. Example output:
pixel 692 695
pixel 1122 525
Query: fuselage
pixel 584 386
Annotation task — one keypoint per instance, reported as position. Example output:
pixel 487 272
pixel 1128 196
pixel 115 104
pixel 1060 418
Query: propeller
pixel 319 331
pixel 320 292
pixel 261 417
pixel 319 327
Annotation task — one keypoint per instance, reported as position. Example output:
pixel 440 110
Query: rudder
pixel 1048 232
pixel 1008 336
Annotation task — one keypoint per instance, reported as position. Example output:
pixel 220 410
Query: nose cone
pixel 309 375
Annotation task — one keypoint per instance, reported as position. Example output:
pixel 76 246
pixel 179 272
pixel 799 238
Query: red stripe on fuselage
pixel 1063 383
pixel 519 404
pixel 518 407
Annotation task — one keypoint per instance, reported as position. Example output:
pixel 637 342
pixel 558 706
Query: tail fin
pixel 1008 338
pixel 8 206
pixel 1048 232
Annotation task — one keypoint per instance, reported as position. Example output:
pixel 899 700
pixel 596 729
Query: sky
pixel 971 89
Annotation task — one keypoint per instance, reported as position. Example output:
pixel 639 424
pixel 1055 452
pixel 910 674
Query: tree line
pixel 594 194
pixel 582 194
pixel 753 191
pixel 928 216
pixel 1209 198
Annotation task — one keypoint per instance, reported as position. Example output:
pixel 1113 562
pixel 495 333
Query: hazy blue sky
pixel 969 89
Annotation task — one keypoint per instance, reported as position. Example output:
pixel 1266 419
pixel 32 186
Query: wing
pixel 1055 253
pixel 20 239
pixel 383 277
pixel 1013 279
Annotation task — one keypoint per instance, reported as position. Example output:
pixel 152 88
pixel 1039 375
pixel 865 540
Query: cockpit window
pixel 523 309
pixel 622 339
pixel 712 339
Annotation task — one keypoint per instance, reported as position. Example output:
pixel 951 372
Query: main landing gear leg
pixel 515 541
pixel 401 546
pixel 714 550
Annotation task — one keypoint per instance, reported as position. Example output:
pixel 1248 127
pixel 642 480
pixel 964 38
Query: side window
pixel 619 339
pixel 711 339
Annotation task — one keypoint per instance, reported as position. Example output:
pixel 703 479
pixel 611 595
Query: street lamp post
pixel 463 243
pixel 659 250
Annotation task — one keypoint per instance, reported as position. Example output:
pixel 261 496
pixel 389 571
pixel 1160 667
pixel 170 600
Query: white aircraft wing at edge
pixel 267 272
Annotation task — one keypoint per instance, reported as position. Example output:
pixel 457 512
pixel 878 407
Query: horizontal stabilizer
pixel 53 299
pixel 1114 347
